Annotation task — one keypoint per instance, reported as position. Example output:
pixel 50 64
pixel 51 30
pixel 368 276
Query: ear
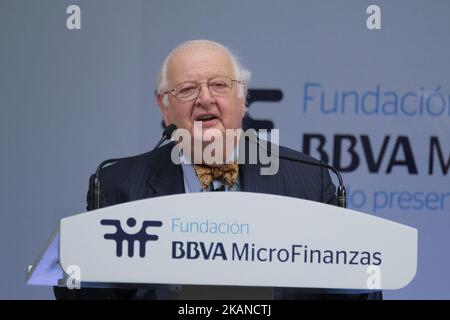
pixel 244 99
pixel 162 108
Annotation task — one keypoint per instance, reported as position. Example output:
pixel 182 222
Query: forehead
pixel 198 62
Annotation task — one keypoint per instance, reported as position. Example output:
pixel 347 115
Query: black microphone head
pixel 168 131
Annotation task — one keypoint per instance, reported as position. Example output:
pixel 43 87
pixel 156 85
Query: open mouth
pixel 206 117
pixel 207 120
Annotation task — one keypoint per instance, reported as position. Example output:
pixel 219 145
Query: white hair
pixel 240 73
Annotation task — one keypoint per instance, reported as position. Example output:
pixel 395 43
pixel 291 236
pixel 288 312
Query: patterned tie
pixel 227 174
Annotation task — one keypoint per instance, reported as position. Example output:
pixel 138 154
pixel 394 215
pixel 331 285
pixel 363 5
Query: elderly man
pixel 201 82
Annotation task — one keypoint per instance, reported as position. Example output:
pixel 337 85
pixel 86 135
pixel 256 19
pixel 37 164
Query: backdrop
pixel 374 103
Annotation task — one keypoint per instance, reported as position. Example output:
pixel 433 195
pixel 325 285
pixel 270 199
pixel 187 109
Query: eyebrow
pixel 209 77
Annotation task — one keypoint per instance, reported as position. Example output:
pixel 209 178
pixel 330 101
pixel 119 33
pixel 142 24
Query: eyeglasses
pixel 189 90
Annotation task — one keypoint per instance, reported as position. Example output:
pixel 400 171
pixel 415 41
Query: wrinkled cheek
pixel 182 121
pixel 235 120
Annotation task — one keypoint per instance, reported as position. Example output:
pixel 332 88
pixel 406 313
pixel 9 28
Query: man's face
pixel 200 63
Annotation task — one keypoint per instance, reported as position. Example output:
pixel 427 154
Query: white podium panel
pixel 238 239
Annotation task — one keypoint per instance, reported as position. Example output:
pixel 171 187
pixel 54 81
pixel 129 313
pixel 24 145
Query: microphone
pixel 341 191
pixel 167 134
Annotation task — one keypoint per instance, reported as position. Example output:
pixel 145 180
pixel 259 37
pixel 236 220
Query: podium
pixel 227 245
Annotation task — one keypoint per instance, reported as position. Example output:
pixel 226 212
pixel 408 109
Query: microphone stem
pixel 341 191
pixel 96 204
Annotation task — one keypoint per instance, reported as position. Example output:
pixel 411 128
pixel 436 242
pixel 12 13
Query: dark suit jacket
pixel 154 174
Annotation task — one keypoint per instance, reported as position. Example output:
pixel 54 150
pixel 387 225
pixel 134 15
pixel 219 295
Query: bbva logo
pixel 120 236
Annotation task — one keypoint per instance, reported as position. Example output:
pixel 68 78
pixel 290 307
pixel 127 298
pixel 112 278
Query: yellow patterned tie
pixel 227 174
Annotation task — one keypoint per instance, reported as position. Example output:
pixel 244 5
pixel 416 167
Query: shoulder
pixel 298 161
pixel 273 150
pixel 286 153
pixel 309 173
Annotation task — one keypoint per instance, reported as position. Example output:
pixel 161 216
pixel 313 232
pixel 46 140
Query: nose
pixel 204 95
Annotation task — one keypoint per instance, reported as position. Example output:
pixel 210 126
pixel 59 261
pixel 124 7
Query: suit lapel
pixel 249 178
pixel 250 175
